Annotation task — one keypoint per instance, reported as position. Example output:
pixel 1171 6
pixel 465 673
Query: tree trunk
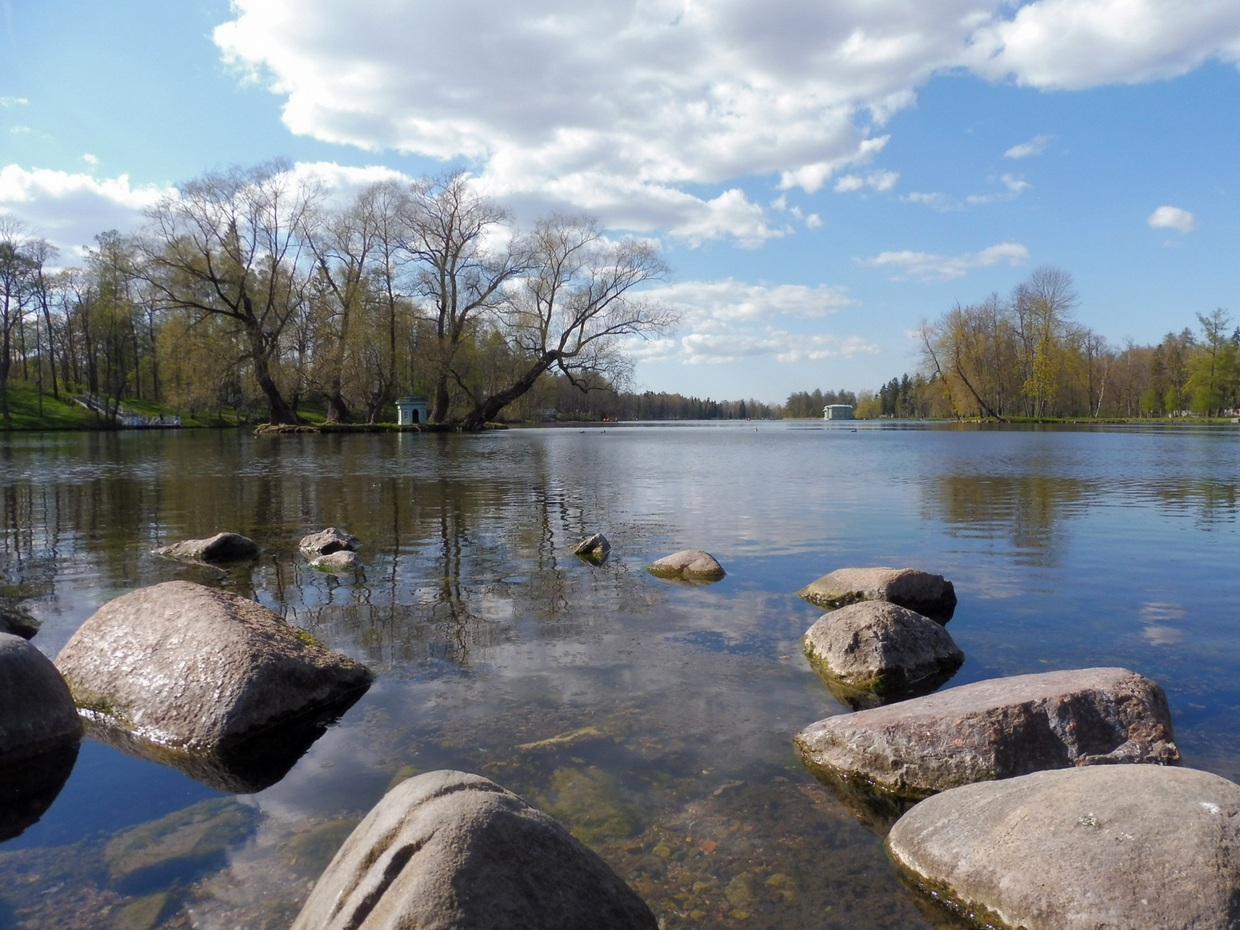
pixel 489 407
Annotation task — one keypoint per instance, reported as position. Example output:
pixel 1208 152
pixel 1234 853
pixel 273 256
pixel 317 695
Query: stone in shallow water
pixel 997 729
pixel 1110 847
pixel 688 565
pixel 222 547
pixel 930 595
pixel 881 648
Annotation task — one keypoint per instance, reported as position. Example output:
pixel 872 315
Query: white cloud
pixel 877 180
pixel 9 102
pixel 1035 146
pixel 70 209
pixel 1074 44
pixel 930 267
pixel 732 300
pixel 1172 218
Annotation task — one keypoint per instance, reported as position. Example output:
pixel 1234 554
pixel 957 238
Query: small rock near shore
pixel 330 540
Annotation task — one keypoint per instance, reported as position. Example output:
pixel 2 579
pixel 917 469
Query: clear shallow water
pixel 654 719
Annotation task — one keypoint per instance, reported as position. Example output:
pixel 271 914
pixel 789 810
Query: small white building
pixel 837 412
pixel 411 411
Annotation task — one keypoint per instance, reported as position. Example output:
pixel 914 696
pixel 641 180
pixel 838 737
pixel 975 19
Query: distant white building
pixel 837 412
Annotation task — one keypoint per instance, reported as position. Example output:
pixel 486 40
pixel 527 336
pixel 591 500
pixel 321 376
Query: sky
pixel 822 176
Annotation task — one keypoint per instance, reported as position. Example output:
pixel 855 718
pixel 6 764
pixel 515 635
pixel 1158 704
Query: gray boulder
pixel 16 621
pixel 996 729
pixel 37 712
pixel 198 670
pixel 930 595
pixel 222 547
pixel 454 851
pixel 687 565
pixel 593 548
pixel 1099 848
pixel 330 540
pixel 873 651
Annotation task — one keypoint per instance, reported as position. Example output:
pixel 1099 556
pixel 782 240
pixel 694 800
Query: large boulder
pixel 693 565
pixel 330 540
pixel 996 729
pixel 930 595
pixel 195 669
pixel 37 712
pixel 873 652
pixel 455 851
pixel 1098 848
pixel 222 547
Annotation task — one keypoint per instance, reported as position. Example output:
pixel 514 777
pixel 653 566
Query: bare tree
pixel 572 311
pixel 230 245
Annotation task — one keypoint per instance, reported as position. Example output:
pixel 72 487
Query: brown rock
pixel 688 564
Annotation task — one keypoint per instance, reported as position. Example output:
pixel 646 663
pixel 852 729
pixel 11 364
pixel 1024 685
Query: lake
pixel 654 719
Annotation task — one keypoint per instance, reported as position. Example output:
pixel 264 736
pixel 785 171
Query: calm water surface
pixel 654 719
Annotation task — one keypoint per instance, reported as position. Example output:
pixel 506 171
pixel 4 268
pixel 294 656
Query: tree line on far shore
pixel 256 290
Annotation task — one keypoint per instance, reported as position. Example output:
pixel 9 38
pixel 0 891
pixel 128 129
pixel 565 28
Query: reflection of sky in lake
pixel 1067 549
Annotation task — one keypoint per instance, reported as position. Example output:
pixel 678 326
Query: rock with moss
pixel 222 547
pixel 998 728
pixel 190 668
pixel 1107 847
pixel 694 565
pixel 874 652
pixel 340 562
pixel 456 851
pixel 931 595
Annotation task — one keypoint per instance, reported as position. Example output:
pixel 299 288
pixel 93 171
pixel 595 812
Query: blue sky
pixel 822 176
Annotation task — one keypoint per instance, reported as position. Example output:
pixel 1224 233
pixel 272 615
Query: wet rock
pixel 1099 848
pixel 881 649
pixel 37 712
pixel 222 547
pixel 593 803
pixel 593 548
pixel 17 622
pixel 997 729
pixel 930 595
pixel 340 562
pixel 190 668
pixel 689 565
pixel 330 540
pixel 453 850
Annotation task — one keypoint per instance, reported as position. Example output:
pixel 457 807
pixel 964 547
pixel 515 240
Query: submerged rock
pixel 880 649
pixel 1099 848
pixel 930 595
pixel 222 547
pixel 330 540
pixel 593 548
pixel 456 851
pixel 689 565
pixel 190 668
pixel 339 562
pixel 997 729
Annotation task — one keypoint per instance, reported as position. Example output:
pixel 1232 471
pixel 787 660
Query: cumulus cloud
pixel 1172 218
pixel 927 266
pixel 70 209
pixel 651 113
